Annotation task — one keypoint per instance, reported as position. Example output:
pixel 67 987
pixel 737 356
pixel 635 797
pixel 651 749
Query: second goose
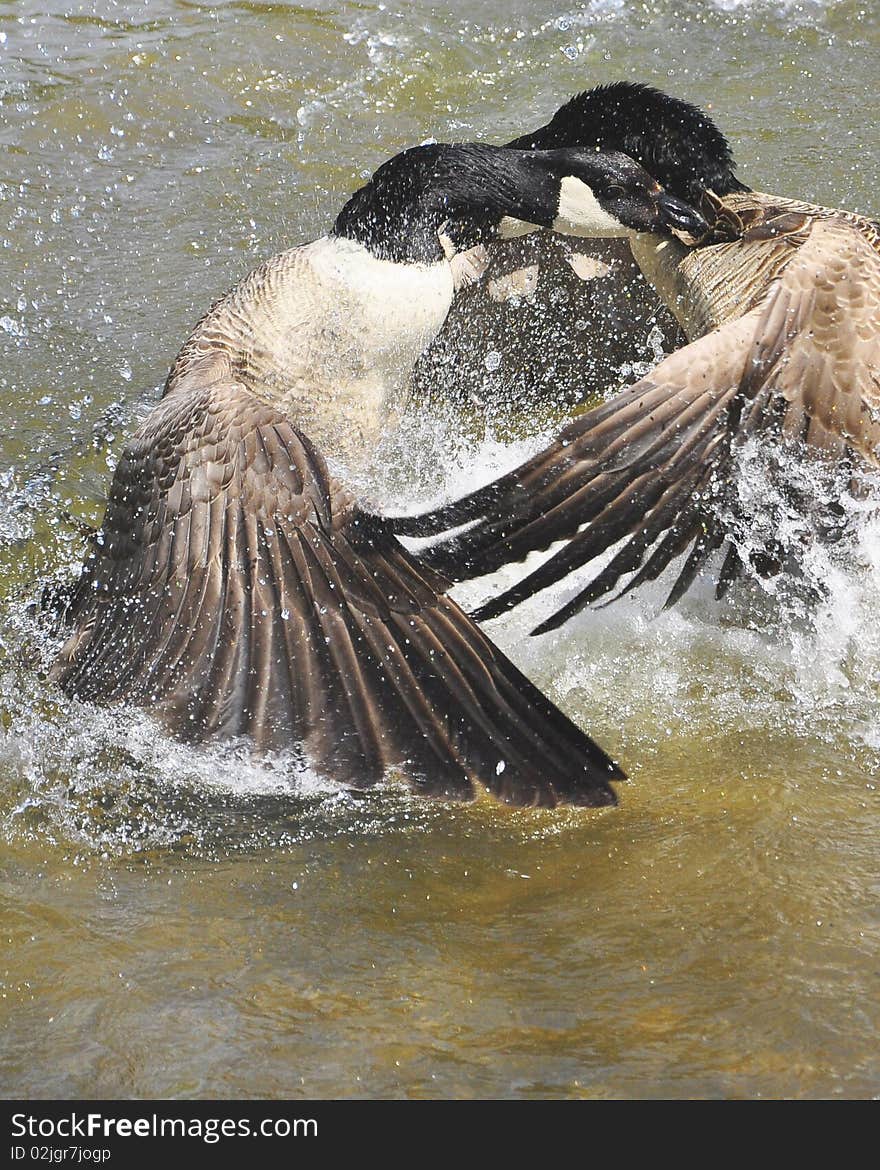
pixel 784 315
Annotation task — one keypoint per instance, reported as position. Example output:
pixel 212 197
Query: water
pixel 180 922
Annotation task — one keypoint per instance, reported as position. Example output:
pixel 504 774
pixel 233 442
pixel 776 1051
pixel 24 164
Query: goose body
pixel 238 589
pixel 328 333
pixel 784 322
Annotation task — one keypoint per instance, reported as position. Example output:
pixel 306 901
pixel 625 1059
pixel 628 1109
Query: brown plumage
pixel 787 326
pixel 236 588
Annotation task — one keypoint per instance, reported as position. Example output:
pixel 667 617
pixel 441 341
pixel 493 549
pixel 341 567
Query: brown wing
pixel 818 344
pixel 237 590
pixel 652 465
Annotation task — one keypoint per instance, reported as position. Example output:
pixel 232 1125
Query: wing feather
pixel 653 464
pixel 237 590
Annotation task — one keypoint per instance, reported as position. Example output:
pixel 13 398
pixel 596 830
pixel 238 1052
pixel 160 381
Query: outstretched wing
pixel 650 466
pixel 237 590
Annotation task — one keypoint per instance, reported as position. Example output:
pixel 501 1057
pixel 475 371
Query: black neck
pixel 465 190
pixel 673 140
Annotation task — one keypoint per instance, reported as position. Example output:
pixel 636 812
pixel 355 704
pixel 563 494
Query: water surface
pixel 180 923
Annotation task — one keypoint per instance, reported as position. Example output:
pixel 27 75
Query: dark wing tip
pixel 263 605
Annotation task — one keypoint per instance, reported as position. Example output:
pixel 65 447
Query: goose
pixel 566 314
pixel 238 590
pixel 781 308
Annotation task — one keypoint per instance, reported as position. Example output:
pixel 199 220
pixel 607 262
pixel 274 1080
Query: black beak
pixel 680 216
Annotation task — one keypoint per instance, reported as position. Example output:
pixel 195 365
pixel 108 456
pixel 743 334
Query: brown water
pixel 182 923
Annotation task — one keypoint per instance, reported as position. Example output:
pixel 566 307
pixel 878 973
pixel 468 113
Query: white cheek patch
pixel 509 227
pixel 581 214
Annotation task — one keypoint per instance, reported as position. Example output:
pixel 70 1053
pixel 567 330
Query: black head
pixel 429 201
pixel 674 141
pixel 609 194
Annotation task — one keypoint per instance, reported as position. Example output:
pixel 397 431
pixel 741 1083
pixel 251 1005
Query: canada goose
pixel 565 314
pixel 236 588
pixel 785 322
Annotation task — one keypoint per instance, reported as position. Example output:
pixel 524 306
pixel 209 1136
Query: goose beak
pixel 676 215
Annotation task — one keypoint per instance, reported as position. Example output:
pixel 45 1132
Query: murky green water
pixel 177 923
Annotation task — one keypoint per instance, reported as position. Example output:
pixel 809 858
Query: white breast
pixel 393 306
pixel 337 335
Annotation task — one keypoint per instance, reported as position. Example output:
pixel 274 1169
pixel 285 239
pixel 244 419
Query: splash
pixel 810 536
pixel 110 782
pixel 794 651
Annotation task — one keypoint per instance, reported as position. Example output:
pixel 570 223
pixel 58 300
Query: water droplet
pixel 11 326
